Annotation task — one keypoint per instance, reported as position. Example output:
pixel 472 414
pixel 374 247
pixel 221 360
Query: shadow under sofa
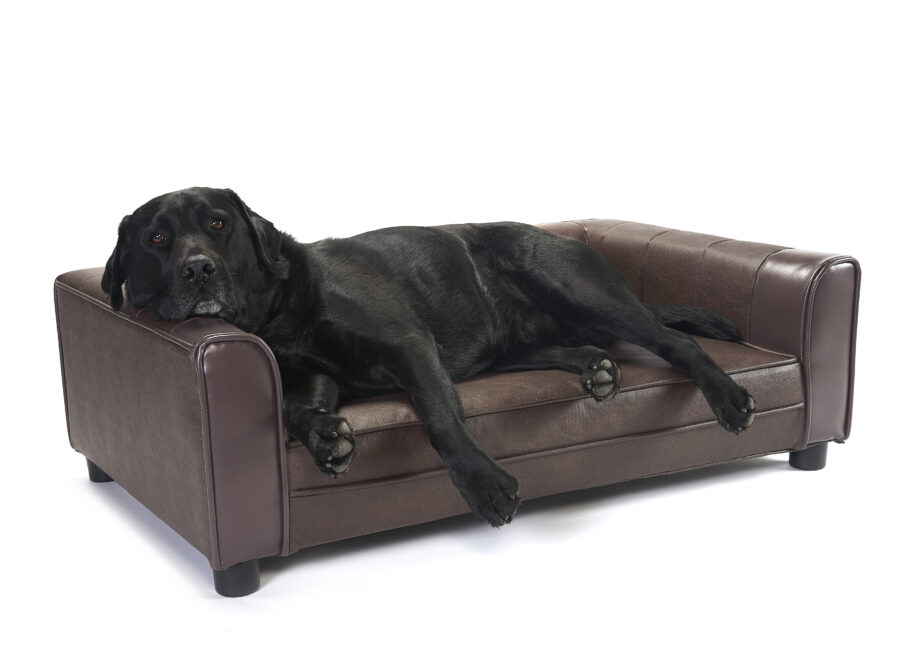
pixel 186 416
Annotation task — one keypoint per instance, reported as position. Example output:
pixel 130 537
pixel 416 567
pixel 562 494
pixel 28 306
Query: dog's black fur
pixel 410 308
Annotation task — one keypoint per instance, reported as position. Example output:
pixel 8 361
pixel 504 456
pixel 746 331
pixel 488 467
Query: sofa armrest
pixel 184 416
pixel 807 304
pixel 782 299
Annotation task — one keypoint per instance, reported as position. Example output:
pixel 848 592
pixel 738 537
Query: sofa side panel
pixel 806 304
pixel 132 408
pixel 243 434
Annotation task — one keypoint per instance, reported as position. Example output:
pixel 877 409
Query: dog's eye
pixel 217 224
pixel 158 238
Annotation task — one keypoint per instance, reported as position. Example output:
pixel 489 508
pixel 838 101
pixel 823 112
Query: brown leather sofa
pixel 187 416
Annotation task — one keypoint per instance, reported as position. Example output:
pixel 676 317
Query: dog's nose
pixel 198 268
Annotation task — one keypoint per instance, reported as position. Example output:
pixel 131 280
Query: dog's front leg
pixel 309 416
pixel 492 493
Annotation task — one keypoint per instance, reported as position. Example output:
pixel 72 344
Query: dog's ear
pixel 114 274
pixel 266 238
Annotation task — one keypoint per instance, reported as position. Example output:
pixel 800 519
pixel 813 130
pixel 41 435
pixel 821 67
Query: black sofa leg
pixel 237 581
pixel 96 474
pixel 811 459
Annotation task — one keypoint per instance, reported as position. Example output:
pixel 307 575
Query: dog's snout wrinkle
pixel 198 268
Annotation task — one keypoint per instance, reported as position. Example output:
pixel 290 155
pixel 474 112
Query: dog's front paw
pixel 601 378
pixel 331 443
pixel 735 409
pixel 492 494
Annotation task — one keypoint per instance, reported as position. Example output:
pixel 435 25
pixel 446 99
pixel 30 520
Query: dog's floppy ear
pixel 266 238
pixel 114 274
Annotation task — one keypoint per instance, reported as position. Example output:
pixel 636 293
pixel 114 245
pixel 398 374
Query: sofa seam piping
pixel 134 322
pixel 209 480
pixel 759 269
pixel 642 294
pixel 278 426
pixel 786 362
pixel 700 268
pixel 587 239
pixel 513 459
pixel 62 361
pixel 809 303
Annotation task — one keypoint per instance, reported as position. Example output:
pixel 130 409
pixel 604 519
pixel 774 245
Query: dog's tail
pixel 695 320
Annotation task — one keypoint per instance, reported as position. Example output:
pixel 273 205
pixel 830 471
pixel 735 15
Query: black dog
pixel 410 308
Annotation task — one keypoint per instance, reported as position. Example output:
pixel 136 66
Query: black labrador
pixel 411 308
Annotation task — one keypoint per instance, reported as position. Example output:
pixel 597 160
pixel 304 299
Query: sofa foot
pixel 96 474
pixel 237 581
pixel 811 459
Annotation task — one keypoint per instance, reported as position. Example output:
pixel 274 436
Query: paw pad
pixel 332 444
pixel 601 379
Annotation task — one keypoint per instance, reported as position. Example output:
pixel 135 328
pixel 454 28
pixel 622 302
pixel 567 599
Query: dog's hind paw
pixel 735 410
pixel 601 378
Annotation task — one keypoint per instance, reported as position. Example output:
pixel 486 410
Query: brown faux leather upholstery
pixel 549 433
pixel 187 416
pixel 783 299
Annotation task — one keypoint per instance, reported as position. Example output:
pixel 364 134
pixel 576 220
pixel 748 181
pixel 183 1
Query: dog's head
pixel 199 251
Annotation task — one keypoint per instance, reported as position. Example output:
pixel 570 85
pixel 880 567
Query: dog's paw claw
pixel 492 494
pixel 735 410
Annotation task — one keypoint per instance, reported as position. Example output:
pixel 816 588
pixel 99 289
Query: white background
pixel 767 121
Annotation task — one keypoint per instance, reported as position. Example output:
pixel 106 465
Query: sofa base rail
pixel 244 578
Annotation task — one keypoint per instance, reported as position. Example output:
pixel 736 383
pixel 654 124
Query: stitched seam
pixel 747 343
pixel 644 260
pixel 587 238
pixel 788 361
pixel 62 361
pixel 206 441
pixel 753 290
pixel 279 429
pixel 852 367
pixel 102 306
pixel 609 230
pixel 700 269
pixel 179 324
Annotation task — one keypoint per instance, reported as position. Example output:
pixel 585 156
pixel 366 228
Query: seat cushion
pixel 523 414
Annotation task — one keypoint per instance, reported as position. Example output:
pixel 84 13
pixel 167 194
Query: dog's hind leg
pixel 599 372
pixel 588 297
pixel 490 491
pixel 733 406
